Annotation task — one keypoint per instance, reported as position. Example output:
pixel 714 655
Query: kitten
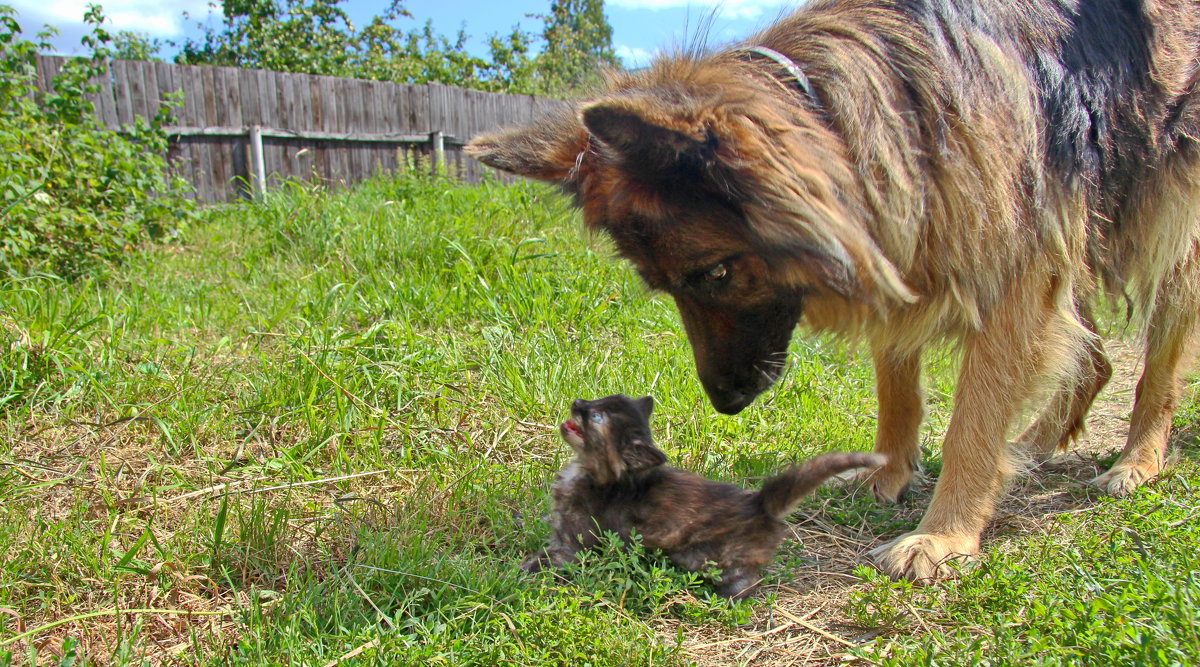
pixel 617 482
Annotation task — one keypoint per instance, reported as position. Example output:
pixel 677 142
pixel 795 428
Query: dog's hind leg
pixel 901 409
pixel 1063 419
pixel 1023 336
pixel 1169 352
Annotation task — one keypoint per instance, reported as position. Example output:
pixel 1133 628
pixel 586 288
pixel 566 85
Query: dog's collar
pixel 789 65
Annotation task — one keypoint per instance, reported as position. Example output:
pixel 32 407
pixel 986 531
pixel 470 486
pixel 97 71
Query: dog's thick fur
pixel 617 483
pixel 975 170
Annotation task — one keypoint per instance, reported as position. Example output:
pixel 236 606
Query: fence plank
pixel 266 97
pixel 103 102
pixel 194 114
pixel 165 84
pixel 139 104
pixel 341 159
pixel 239 149
pixel 231 106
pixel 248 97
pixel 49 67
pixel 378 159
pixel 323 113
pixel 95 98
pixel 150 94
pixel 121 92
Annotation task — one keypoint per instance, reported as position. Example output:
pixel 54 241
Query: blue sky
pixel 640 27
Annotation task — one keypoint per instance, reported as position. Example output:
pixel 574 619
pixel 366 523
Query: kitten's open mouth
pixel 569 427
pixel 572 433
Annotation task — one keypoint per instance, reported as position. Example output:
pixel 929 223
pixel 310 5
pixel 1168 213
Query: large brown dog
pixel 908 171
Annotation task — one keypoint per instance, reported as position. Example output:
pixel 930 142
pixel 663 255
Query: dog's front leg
pixel 1023 335
pixel 973 459
pixel 901 409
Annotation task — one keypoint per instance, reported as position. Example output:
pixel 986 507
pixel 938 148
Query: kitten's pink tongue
pixel 569 427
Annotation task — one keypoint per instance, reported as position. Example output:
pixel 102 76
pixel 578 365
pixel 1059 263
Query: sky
pixel 640 27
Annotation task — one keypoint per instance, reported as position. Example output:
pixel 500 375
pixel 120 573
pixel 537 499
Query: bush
pixel 73 194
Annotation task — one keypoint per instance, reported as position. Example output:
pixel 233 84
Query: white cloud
pixel 725 9
pixel 633 57
pixel 158 18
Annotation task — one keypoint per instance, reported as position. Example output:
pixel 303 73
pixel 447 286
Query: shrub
pixel 73 194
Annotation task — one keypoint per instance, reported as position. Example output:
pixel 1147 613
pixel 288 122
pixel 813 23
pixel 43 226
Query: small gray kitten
pixel 618 483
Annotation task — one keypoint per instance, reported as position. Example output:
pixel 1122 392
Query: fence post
pixel 438 141
pixel 258 163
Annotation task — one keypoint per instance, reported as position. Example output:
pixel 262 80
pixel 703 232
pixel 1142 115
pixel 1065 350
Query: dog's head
pixel 735 200
pixel 611 436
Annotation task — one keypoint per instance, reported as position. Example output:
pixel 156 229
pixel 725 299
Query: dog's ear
pixel 649 134
pixel 645 405
pixel 640 454
pixel 547 150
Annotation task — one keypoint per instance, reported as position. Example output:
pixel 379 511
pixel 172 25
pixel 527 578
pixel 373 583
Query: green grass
pixel 323 426
pixel 1117 584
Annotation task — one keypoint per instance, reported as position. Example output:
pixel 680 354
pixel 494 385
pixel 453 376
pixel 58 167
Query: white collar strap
pixel 797 74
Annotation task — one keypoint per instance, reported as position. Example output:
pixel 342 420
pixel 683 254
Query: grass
pixel 1115 583
pixel 321 430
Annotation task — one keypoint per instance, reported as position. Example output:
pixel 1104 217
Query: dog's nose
pixel 730 402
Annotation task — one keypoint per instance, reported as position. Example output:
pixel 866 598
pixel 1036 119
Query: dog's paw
pixel 889 484
pixel 1123 479
pixel 924 556
pixel 1045 439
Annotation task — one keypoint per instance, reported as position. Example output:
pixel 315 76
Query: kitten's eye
pixel 718 272
pixel 598 417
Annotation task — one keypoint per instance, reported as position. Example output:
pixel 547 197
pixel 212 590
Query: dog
pixel 906 172
pixel 618 483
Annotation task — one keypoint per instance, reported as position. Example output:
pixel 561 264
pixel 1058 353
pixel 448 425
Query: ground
pixel 322 432
pixel 806 624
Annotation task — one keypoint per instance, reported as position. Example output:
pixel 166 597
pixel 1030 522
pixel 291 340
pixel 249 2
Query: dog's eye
pixel 598 417
pixel 717 272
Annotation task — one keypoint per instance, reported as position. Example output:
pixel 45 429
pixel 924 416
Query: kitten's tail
pixel 780 494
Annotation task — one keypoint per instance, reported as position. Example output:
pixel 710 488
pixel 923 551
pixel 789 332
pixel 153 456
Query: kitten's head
pixel 611 436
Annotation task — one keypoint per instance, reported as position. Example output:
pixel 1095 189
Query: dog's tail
pixel 780 494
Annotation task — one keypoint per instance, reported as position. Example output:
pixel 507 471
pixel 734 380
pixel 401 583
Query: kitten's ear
pixel 641 454
pixel 645 404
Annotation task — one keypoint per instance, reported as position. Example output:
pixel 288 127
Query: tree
pixel 317 37
pixel 309 36
pixel 578 42
pixel 130 45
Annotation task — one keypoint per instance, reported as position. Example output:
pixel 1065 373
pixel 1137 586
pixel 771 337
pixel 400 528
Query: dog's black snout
pixel 727 398
pixel 731 403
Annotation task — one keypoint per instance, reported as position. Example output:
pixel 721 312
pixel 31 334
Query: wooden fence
pixel 298 125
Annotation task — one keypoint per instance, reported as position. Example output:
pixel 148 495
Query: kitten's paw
pixel 924 556
pixel 737 586
pixel 533 564
pixel 1123 479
